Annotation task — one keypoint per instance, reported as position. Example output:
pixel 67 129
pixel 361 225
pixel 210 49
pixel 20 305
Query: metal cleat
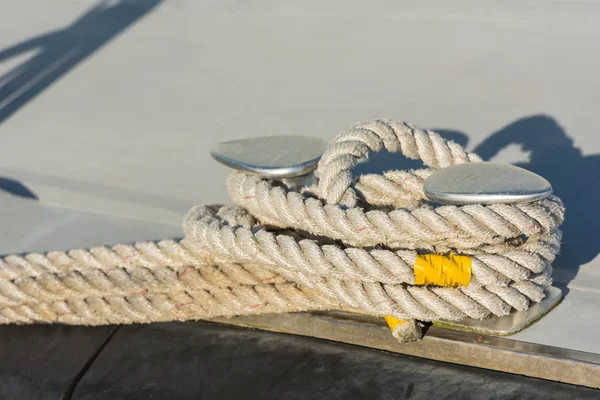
pixel 288 159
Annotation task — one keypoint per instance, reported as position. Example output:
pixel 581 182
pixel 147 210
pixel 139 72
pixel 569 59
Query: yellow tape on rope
pixel 437 269
pixel 393 322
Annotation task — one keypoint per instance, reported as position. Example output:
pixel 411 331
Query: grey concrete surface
pixel 127 96
pixel 28 226
pixel 109 107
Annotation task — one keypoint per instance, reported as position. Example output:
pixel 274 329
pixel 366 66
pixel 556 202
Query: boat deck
pixel 108 109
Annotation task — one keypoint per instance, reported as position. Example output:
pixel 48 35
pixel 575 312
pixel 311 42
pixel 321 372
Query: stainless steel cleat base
pixel 515 322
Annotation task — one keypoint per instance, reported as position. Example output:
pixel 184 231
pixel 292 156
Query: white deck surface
pixel 108 109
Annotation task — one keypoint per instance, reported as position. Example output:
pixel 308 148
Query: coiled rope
pixel 342 244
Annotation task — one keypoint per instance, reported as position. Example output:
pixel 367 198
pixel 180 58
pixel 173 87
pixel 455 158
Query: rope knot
pixel 371 245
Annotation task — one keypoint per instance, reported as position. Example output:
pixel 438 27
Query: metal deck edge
pixel 440 344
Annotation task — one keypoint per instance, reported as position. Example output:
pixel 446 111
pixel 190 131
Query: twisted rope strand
pixel 345 243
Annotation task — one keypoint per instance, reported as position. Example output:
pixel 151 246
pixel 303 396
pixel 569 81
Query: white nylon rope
pixel 344 244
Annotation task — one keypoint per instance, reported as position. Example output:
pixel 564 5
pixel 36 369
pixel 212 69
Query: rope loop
pixel 336 183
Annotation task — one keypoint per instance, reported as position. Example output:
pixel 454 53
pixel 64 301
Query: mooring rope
pixel 342 244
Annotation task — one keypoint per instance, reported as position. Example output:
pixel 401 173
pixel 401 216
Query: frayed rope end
pixel 405 331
